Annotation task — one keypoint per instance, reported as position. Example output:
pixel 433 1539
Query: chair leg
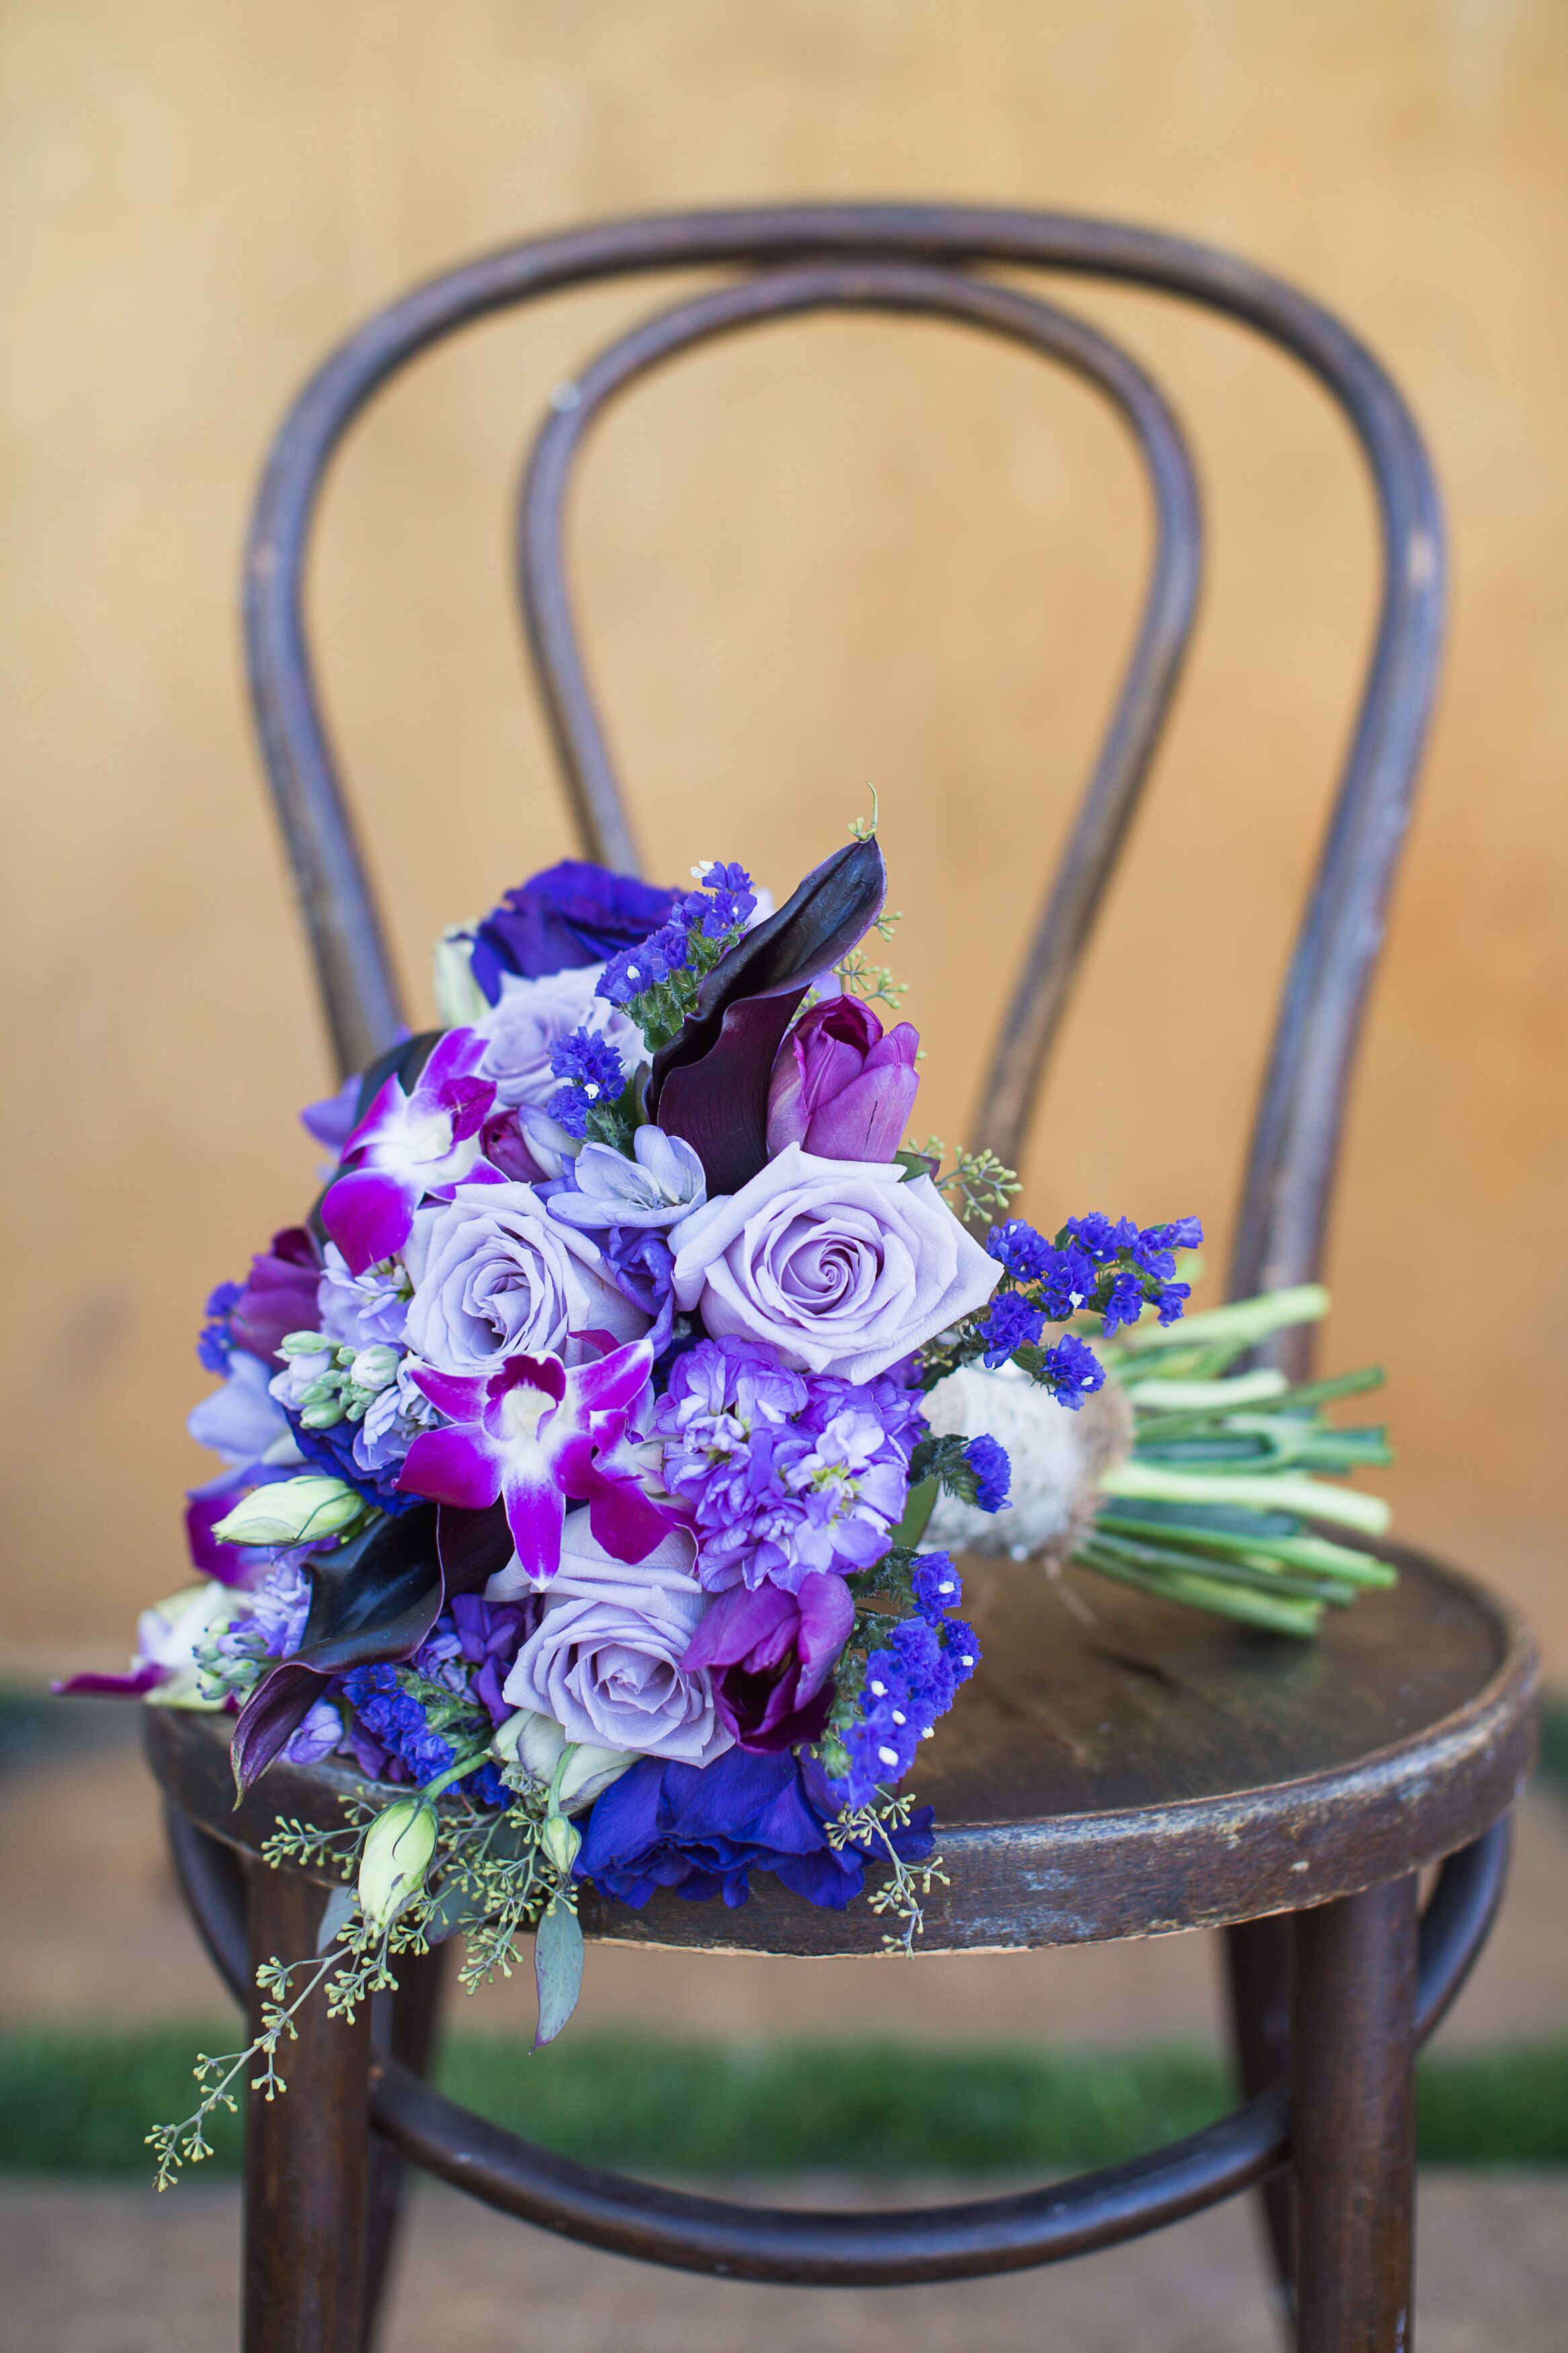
pixel 1259 1963
pixel 306 2152
pixel 415 2013
pixel 1353 2128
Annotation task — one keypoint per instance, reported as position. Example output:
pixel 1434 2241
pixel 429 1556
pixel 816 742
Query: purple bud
pixel 841 1088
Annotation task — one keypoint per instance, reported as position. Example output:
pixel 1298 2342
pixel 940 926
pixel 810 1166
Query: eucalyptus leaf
pixel 557 1970
pixel 336 1913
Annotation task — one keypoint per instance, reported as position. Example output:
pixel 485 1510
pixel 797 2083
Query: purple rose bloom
pixel 496 1277
pixel 574 913
pixel 610 1670
pixel 843 1266
pixel 841 1088
pixel 771 1655
pixel 704 1833
pixel 784 1474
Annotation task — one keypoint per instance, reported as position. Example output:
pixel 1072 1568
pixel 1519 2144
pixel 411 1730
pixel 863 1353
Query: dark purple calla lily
pixel 772 1655
pixel 841 1088
pixel 408 1143
pixel 710 1083
pixel 534 1434
pixel 373 1599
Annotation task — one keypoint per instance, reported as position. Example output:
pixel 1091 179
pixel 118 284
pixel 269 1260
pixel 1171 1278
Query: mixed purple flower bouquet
pixel 595 1454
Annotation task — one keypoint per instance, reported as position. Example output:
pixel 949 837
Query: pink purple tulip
pixel 840 1087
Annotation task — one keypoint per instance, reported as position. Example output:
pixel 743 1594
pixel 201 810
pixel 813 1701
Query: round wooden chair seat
pixel 1141 1770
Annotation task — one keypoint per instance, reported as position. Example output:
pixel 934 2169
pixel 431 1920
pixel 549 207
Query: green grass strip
pixel 78 2104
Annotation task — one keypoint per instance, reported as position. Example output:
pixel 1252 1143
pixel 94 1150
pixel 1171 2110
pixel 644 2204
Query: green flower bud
pixel 373 1367
pixel 305 1344
pixel 290 1511
pixel 325 1415
pixel 396 1856
pixel 561 1840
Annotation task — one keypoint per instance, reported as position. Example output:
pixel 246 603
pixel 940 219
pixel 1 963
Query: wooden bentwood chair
pixel 1289 1793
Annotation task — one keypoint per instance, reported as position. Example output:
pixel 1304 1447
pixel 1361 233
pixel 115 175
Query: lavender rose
pixel 840 1087
pixel 494 1276
pixel 530 1019
pixel 606 1662
pixel 842 1265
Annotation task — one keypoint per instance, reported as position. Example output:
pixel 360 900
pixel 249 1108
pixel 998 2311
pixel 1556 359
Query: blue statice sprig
pixel 215 1344
pixel 907 1685
pixel 655 983
pixel 974 1470
pixel 591 1103
pixel 422 1726
pixel 1096 1265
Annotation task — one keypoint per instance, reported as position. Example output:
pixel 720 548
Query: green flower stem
pixel 454 1773
pixel 1286 1491
pixel 1229 1394
pixel 1279 1615
pixel 1240 1325
pixel 1312 1553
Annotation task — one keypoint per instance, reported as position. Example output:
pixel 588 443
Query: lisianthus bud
pixel 537 1743
pixel 396 1856
pixel 460 999
pixel 290 1511
pixel 373 1367
pixel 561 1840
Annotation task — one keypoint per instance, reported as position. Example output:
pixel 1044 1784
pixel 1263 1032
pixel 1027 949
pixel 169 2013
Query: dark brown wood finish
pixel 990 2235
pixel 1146 1770
pixel 1170 603
pixel 402 2027
pixel 1295 1137
pixel 306 2152
pixel 1153 1770
pixel 1354 2121
pixel 1258 1967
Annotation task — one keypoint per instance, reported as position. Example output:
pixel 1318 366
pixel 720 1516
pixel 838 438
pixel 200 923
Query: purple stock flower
pixel 535 1433
pixel 572 914
pixel 407 1145
pixel 785 1475
pixel 772 1655
pixel 703 1831
pixel 840 1087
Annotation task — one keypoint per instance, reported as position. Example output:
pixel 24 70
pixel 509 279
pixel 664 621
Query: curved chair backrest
pixel 923 259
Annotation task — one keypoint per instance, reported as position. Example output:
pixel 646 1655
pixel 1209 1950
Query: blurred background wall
pixel 834 552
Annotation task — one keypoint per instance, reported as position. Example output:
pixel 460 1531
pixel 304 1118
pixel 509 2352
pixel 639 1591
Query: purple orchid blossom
pixel 535 1433
pixel 408 1144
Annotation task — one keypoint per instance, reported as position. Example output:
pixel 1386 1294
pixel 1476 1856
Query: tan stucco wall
pixel 834 554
